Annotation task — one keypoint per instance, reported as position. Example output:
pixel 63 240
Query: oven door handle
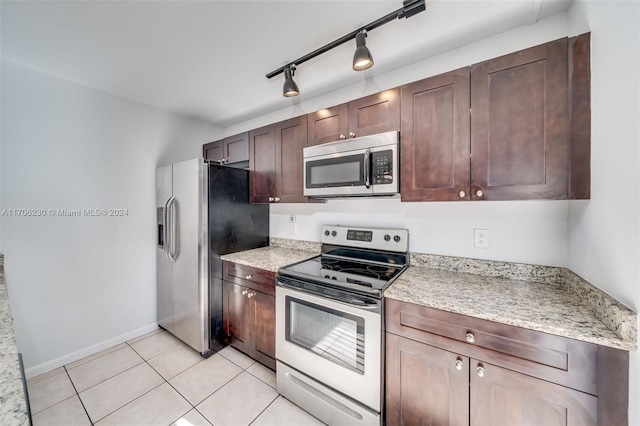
pixel 367 171
pixel 375 306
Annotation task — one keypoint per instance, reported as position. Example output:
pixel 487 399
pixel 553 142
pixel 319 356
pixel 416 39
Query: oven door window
pixel 335 172
pixel 335 335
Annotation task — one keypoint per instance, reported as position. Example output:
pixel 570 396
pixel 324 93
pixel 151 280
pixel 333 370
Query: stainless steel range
pixel 329 323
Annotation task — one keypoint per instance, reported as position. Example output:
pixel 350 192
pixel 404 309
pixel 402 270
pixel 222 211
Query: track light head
pixel 290 88
pixel 362 59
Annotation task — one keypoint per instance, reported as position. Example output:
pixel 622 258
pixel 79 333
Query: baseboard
pixel 36 370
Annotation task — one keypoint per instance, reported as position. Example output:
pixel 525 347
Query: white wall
pixel 604 233
pixel 77 281
pixel 520 231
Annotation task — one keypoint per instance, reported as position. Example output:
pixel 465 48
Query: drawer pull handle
pixel 471 338
pixel 462 194
pixel 459 364
pixel 244 292
pixel 480 371
pixel 248 277
pixel 479 193
pixel 251 295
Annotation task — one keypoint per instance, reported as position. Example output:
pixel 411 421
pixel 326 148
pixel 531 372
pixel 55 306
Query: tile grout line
pixel 265 409
pixel 77 394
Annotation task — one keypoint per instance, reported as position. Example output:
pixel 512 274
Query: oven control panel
pixel 372 238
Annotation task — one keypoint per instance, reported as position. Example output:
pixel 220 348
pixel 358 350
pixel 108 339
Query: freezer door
pixel 164 267
pixel 189 249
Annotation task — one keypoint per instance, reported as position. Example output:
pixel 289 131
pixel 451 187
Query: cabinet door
pixel 264 309
pixel 504 397
pixel 213 151
pixel 519 125
pixel 236 148
pixel 435 163
pixel 291 138
pixel 377 113
pixel 235 313
pixel 262 164
pixel 423 384
pixel 328 125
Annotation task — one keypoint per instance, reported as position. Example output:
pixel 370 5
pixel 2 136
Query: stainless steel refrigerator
pixel 203 212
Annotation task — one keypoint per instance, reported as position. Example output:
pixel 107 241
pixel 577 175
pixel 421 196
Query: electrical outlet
pixel 481 238
pixel 292 224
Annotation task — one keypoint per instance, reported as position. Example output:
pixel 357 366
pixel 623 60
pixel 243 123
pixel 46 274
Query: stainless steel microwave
pixel 362 166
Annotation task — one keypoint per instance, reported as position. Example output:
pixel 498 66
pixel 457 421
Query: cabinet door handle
pixel 250 295
pixel 248 277
pixel 470 337
pixel 271 199
pixel 479 193
pixel 352 135
pixel 459 364
pixel 462 194
pixel 224 160
pixel 276 199
pixel 244 292
pixel 480 371
pixel 342 137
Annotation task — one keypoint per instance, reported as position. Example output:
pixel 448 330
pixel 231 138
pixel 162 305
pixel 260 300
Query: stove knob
pixel 327 276
pixel 326 232
pixel 387 237
pixel 396 238
pixel 334 233
pixel 333 278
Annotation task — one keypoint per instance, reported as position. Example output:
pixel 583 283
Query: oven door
pixel 334 343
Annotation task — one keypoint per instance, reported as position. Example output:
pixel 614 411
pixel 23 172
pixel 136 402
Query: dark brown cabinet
pixel 520 125
pixel 275 153
pixel 433 384
pixel 501 396
pixel 500 130
pixel 249 311
pixel 372 114
pixel 445 368
pixel 435 141
pixel 231 150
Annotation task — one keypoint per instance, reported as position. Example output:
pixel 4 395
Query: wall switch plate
pixel 481 238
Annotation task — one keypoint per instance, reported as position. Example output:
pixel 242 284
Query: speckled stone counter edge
pixel 13 407
pixel 617 317
pixel 295 244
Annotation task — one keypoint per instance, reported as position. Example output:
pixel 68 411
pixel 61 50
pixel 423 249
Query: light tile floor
pixel 156 380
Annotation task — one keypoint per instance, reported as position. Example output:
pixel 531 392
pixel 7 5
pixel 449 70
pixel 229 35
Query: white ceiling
pixel 208 59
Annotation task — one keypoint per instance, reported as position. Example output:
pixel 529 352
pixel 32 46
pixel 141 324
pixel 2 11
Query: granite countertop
pixel 13 407
pixel 273 257
pixel 542 298
pixel 547 307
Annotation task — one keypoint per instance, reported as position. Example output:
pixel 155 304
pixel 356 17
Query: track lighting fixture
pixel 290 88
pixel 362 58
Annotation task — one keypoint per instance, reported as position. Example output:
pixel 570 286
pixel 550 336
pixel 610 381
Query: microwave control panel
pixel 382 167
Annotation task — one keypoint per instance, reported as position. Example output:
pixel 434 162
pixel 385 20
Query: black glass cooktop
pixel 351 273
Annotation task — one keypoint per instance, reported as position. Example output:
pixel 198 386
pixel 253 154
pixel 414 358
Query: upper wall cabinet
pixel 435 138
pixel 234 149
pixel 514 127
pixel 276 162
pixel 520 125
pixel 377 113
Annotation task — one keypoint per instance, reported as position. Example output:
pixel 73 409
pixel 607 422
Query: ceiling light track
pixel 409 8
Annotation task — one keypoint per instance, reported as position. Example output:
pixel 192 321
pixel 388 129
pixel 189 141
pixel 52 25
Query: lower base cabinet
pixel 249 316
pixel 450 369
pixel 430 386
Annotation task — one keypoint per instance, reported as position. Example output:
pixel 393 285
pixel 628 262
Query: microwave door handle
pixel 367 172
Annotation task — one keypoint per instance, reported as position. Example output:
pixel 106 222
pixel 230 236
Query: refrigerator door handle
pixel 166 227
pixel 173 250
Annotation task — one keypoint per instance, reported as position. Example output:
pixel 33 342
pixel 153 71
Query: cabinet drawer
pixel 247 276
pixel 564 361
